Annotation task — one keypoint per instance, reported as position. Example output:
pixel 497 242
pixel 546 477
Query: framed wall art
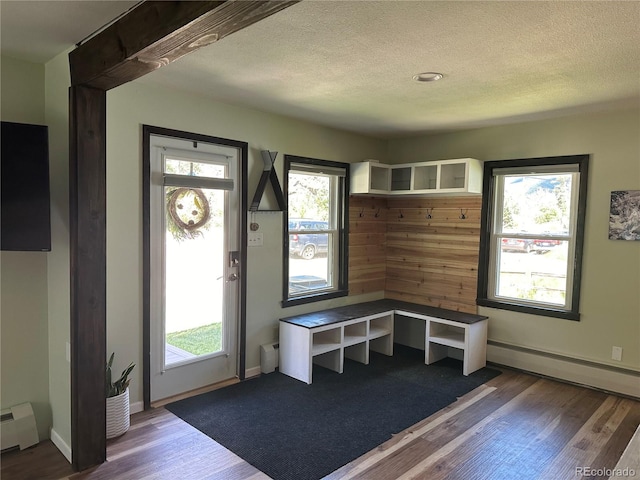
pixel 624 215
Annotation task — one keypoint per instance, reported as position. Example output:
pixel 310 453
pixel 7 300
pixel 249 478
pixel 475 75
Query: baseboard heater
pixel 18 427
pixel 269 357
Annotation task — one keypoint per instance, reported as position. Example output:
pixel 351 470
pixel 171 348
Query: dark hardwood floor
pixel 517 426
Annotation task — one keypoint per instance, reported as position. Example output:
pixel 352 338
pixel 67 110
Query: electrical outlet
pixel 255 239
pixel 616 353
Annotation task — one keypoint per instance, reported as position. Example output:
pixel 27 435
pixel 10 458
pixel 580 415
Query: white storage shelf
pixel 328 345
pixel 354 334
pixel 325 341
pixel 379 327
pixel 302 344
pixel 446 335
pixel 471 338
pixel 454 177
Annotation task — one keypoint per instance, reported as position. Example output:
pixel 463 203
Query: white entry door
pixel 194 264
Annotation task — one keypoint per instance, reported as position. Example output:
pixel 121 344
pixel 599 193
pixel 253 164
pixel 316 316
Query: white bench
pixel 328 336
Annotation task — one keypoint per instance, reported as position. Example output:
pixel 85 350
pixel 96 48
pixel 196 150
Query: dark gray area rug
pixel 294 431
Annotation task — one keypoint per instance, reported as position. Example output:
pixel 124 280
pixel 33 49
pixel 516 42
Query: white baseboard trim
pixel 61 445
pixel 604 377
pixel 252 372
pixel 136 407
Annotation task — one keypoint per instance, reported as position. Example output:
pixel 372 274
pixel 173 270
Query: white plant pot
pixel 118 414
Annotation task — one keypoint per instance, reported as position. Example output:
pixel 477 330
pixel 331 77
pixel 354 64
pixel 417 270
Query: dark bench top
pixel 359 310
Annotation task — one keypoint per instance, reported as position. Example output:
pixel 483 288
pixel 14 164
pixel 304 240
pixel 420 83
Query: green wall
pixel 35 286
pixel 23 284
pixel 610 300
pixel 137 103
pixel 57 81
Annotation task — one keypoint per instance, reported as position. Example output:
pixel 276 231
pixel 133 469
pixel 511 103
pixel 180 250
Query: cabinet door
pixel 425 177
pixel 453 175
pixel 378 178
pixel 369 177
pixel 401 179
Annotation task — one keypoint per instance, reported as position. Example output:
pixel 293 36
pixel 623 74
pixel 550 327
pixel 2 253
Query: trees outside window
pixel 315 230
pixel 532 230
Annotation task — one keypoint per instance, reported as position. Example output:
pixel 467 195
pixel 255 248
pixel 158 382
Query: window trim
pixel 484 266
pixel 342 213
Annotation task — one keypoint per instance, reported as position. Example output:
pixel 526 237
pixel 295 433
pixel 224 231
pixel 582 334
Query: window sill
pixel 545 312
pixel 291 302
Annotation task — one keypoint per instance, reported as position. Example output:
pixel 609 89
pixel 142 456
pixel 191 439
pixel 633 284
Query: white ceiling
pixel 37 31
pixel 349 64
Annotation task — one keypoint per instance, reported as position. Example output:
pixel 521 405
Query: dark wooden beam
pixel 88 252
pixel 157 33
pixel 150 36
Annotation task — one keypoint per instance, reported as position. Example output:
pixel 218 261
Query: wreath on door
pixel 187 211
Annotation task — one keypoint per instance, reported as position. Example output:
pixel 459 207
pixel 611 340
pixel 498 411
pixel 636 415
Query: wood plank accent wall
pixel 426 261
pixel 367 239
pixel 433 261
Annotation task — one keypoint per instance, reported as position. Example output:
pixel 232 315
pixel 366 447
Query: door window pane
pixel 196 169
pixel 194 268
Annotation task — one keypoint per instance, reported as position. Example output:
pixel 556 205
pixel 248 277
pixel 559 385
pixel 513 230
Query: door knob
pixel 233 277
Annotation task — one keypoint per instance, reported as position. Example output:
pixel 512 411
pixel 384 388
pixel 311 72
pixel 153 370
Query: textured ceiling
pixel 37 31
pixel 349 64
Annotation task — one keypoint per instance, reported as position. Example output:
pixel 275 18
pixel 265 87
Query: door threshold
pixel 193 393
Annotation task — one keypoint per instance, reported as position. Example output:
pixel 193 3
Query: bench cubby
pixel 327 337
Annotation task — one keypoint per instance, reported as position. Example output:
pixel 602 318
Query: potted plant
pixel 117 400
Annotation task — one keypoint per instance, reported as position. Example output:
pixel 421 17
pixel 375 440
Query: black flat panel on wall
pixel 26 220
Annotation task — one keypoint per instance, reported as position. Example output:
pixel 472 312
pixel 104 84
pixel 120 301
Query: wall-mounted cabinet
pixel 455 177
pixel 425 177
pixel 370 177
pixel 400 179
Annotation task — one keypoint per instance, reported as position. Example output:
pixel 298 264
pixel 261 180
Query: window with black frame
pixel 315 230
pixel 533 217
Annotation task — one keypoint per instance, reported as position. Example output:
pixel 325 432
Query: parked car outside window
pixel 308 245
pixel 541 245
pixel 517 245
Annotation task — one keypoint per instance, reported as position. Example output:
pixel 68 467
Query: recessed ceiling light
pixel 428 77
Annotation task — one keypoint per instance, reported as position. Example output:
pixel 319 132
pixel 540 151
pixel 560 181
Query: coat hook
pixel 428 215
pixel 463 215
pixel 401 215
pixel 361 212
pixel 377 214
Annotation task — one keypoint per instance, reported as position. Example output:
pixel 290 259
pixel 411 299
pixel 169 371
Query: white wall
pixel 134 104
pixel 23 284
pixel 610 299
